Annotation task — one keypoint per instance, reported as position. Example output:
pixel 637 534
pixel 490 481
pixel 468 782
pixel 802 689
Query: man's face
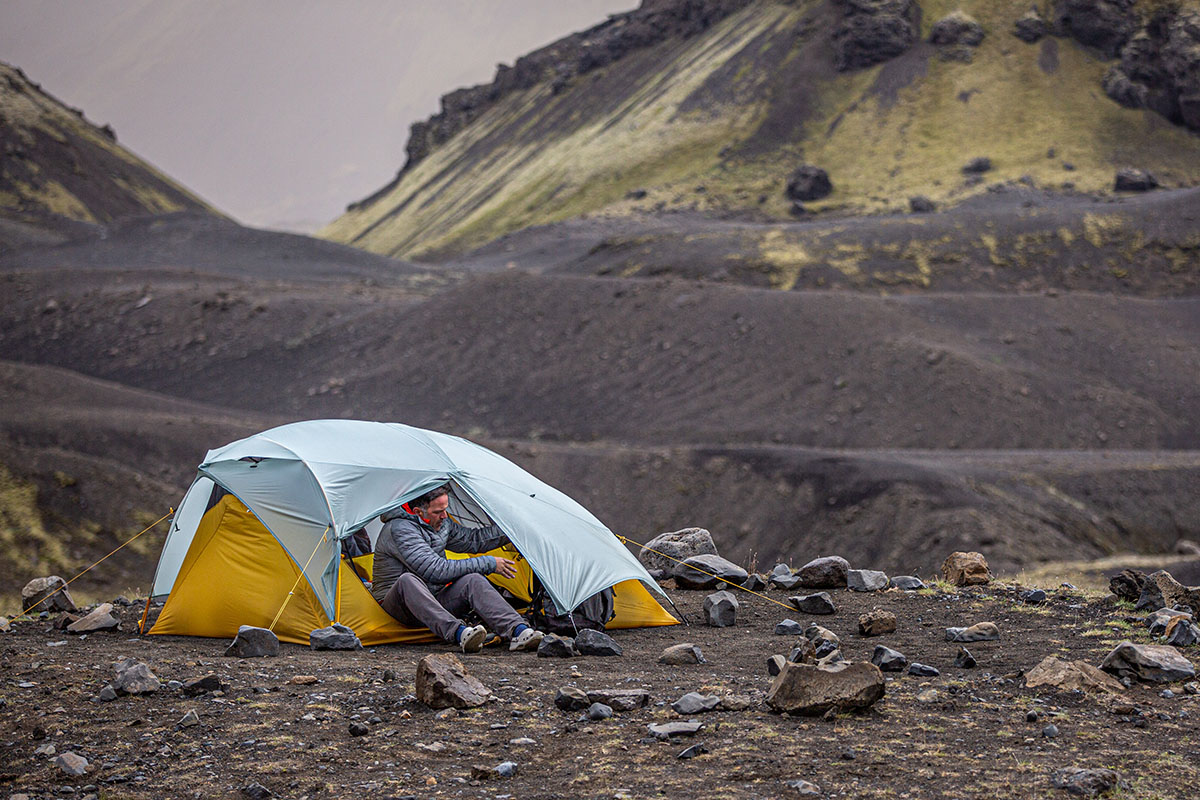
pixel 436 511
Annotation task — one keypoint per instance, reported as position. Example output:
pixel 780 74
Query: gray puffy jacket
pixel 407 544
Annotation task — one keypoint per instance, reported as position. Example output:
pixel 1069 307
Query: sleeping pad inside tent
pixel 256 537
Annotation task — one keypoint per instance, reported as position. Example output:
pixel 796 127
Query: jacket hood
pixel 400 513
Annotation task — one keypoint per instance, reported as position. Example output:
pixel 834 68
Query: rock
pixel 920 204
pixel 966 569
pixel 888 660
pixel 815 634
pixel 688 578
pixel 830 657
pixel 819 603
pixel 134 677
pixel 4 624
pixel 1127 584
pixel 309 680
pixel 1186 547
pixel 71 763
pixel 775 665
pixel 873 31
pixel 735 702
pixel 554 646
pixel 808 183
pixel 1182 633
pixel 1152 663
pixel 956 28
pixel 907 583
pixel 39 589
pixel 720 609
pixel 196 686
pixel 781 571
pixel 335 637
pixel 252 642
pixel 827 572
pixel 692 752
pixel 695 703
pixel 599 711
pixel 356 728
pixel 804 652
pixel 1030 27
pixel 189 719
pixel 866 580
pixel 256 791
pixel 789 627
pixel 1086 782
pixel 1161 590
pixel 45 750
pixel 805 788
pixel 108 694
pixel 923 670
pixel 596 643
pixel 621 700
pixel 964 659
pixel 785 581
pixel 1159 621
pixel 1134 180
pixel 976 166
pixel 101 619
pixel 1033 597
pixel 443 682
pixel 876 623
pixel 979 632
pixel 668 730
pixel 680 654
pixel 568 698
pixel 1103 24
pixel 506 769
pixel 1050 731
pixel 814 690
pixel 681 545
pixel 927 696
pixel 755 583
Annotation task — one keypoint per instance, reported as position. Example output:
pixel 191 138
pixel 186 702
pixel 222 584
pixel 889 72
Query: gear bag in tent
pixel 595 612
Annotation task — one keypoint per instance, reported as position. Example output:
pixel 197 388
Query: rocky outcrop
pixel 1160 68
pixel 1105 25
pixel 873 31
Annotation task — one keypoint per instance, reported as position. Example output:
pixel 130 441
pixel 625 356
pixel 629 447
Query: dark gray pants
pixel 412 604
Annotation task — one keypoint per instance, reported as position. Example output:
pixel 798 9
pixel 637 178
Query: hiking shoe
pixel 472 639
pixel 528 639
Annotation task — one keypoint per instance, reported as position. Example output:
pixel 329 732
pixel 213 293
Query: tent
pixel 256 539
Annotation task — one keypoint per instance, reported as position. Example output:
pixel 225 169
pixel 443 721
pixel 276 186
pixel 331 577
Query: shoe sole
pixel 474 642
pixel 532 644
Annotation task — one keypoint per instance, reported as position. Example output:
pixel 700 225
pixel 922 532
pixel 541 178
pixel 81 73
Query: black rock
pixel 920 204
pixel 819 603
pixel 695 703
pixel 1033 597
pixel 826 572
pixel 599 711
pixel 907 582
pixel 556 647
pixel 755 583
pixel 1050 731
pixel 252 642
pixel 1030 27
pixel 720 609
pixel 691 572
pixel 208 683
pixel 359 728
pixel 1086 782
pixel 923 670
pixel 870 33
pixel 1103 24
pixel 596 643
pixel 256 791
pixel 1134 180
pixel 775 665
pixel 956 29
pixel 1127 584
pixel 335 637
pixel 824 648
pixel 964 659
pixel 789 627
pixel 693 751
pixel 568 698
pixel 785 581
pixel 808 183
pixel 977 166
pixel 888 660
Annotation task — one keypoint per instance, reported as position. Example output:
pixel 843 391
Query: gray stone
pixel 1158 621
pixel 681 654
pixel 189 719
pixel 108 694
pixel 827 572
pixel 568 698
pixel 804 788
pixel 101 619
pixel 789 627
pixel 808 183
pixel 71 763
pixel 1030 27
pixel 252 642
pixel 923 670
pixel 692 752
pixel 720 609
pixel 668 730
pixel 814 690
pixel 755 583
pixel 691 573
pixel 39 589
pixel 1134 180
pixel 1152 663
pixel 956 28
pixel 979 632
pixel 920 204
pixel 818 603
pixel 815 633
pixel 785 581
pixel 553 646
pixel 1183 634
pixel 621 700
pixel 506 769
pixel 1033 597
pixel 599 711
pixel 695 703
pixel 256 791
pixel 679 545
pixel 866 580
pixel 781 571
pixel 443 682
pixel 908 583
pixel 1086 782
pixel 964 659
pixel 196 686
pixel 804 651
pixel 357 728
pixel 977 166
pixel 335 637
pixel 775 665
pixel 134 677
pixel 888 660
pixel 596 643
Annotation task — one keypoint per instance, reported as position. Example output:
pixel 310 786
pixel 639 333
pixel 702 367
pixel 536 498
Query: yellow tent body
pixel 236 573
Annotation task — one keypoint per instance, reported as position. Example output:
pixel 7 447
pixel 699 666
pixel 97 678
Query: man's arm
pixel 474 540
pixel 430 565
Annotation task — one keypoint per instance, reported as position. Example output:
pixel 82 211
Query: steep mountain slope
pixel 58 168
pixel 715 111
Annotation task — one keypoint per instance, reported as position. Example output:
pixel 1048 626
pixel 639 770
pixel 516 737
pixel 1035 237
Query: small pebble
pixel 1050 731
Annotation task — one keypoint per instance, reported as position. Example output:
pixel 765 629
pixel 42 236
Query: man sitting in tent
pixel 418 585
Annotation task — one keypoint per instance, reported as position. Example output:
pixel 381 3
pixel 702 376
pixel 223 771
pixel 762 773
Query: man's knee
pixel 410 580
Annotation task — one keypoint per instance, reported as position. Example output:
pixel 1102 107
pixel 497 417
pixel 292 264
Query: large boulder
pixel 966 569
pixel 808 183
pixel 703 572
pixel 1127 584
pixel 826 572
pixel 443 682
pixel 1151 663
pixel 1160 68
pixel 813 690
pixel 956 28
pixel 1105 25
pixel 873 31
pixel 1161 590
pixel 679 545
pixel 39 589
pixel 1129 179
pixel 1072 676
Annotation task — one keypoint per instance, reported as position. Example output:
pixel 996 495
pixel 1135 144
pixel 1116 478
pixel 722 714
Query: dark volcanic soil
pixel 967 738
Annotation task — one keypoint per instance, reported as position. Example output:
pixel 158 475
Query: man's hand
pixel 505 567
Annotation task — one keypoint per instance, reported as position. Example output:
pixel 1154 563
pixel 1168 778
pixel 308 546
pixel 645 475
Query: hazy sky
pixel 278 112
